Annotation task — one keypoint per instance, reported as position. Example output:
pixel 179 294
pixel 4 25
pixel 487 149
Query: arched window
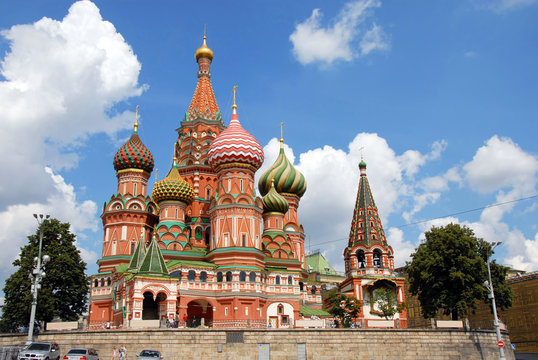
pixel 207 235
pixel 103 282
pixel 252 276
pixel 242 276
pixel 290 280
pixel 132 248
pixel 198 233
pixel 108 282
pixel 219 276
pixel 377 258
pixel 191 276
pixel 277 280
pixel 244 240
pixel 207 194
pixel 361 259
pixel 175 247
pixel 228 276
pixel 241 185
pixel 203 276
pixel 301 285
pixel 313 289
pixel 96 283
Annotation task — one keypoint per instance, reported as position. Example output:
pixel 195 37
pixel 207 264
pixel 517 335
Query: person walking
pixel 114 354
pixel 123 352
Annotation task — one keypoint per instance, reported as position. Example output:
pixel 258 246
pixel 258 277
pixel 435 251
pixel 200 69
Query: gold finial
pixel 205 25
pixel 154 234
pixel 156 173
pixel 141 232
pixel 136 120
pixel 175 161
pixel 281 133
pixel 204 51
pixel 361 149
pixel 234 106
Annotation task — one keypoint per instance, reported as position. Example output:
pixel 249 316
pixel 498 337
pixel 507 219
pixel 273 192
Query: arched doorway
pixel 151 306
pixel 198 310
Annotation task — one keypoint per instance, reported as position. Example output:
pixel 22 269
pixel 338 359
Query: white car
pixel 82 354
pixel 40 351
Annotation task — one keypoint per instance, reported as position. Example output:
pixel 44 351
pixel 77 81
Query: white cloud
pixel 60 80
pixel 402 248
pixel 343 40
pixel 17 221
pixel 501 164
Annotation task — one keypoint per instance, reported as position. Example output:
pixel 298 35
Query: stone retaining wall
pixel 284 344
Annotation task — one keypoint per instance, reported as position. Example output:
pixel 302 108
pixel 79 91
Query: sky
pixel 439 97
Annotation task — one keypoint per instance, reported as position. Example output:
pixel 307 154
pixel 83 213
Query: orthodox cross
pixel 136 120
pixel 281 126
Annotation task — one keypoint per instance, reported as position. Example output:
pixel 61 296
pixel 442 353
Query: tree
pixel 448 270
pixel 345 308
pixel 385 300
pixel 64 289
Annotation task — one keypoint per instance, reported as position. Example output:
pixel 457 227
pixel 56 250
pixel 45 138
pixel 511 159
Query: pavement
pixel 526 355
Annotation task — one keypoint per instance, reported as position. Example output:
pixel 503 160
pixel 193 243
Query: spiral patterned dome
pixel 173 187
pixel 235 145
pixel 274 202
pixel 133 155
pixel 287 179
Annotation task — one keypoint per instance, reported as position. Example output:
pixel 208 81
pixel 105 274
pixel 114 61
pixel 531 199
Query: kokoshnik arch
pixel 204 246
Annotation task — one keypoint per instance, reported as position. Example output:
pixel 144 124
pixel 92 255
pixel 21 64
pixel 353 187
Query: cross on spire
pixel 136 120
pixel 281 131
pixel 234 106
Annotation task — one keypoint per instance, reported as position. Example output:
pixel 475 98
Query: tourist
pixel 123 352
pixel 114 354
pixel 185 318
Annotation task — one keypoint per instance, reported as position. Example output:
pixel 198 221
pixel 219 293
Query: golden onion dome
pixel 173 187
pixel 204 52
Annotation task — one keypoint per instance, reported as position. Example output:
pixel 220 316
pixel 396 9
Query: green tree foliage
pixel 448 270
pixel 64 290
pixel 345 308
pixel 385 300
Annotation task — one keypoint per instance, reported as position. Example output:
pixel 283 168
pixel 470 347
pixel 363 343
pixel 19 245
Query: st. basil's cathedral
pixel 205 248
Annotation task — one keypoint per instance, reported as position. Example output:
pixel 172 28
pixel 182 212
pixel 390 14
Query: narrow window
pixel 290 280
pixel 229 276
pixel 203 276
pixel 241 185
pixel 277 280
pixel 207 194
pixel 242 276
pixel 135 189
pixel 191 276
pixel 176 213
pixel 244 240
pixel 226 311
pixel 219 276
pixel 252 276
pixel 132 248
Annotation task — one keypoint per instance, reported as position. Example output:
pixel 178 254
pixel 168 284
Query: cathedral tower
pixel 200 126
pixel 291 184
pixel 369 259
pixel 130 208
pixel 236 213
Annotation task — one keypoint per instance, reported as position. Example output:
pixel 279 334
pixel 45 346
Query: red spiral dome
pixel 235 145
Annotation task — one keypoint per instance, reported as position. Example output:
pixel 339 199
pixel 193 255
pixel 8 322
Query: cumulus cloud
pixel 501 164
pixel 346 39
pixel 17 221
pixel 60 81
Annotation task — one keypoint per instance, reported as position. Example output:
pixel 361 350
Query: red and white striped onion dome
pixel 235 145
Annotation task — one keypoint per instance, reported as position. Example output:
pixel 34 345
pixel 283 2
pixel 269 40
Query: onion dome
pixel 288 180
pixel 274 202
pixel 204 52
pixel 235 145
pixel 134 155
pixel 173 187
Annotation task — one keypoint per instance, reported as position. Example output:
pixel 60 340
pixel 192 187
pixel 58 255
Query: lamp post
pixel 489 286
pixel 36 276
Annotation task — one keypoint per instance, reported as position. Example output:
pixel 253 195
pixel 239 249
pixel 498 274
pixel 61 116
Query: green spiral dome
pixel 173 187
pixel 274 202
pixel 287 179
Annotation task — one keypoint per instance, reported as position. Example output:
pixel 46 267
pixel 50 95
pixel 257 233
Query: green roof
pixel 308 311
pixel 190 263
pixel 122 268
pixel 153 263
pixel 317 263
pixel 138 256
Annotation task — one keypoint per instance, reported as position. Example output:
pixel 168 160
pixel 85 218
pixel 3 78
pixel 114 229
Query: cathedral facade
pixel 203 248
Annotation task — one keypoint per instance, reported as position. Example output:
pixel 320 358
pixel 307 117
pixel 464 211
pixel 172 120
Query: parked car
pixel 82 354
pixel 40 351
pixel 149 355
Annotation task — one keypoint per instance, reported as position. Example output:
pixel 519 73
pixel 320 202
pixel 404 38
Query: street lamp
pixel 36 276
pixel 489 286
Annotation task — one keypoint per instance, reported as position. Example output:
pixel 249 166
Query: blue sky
pixel 441 95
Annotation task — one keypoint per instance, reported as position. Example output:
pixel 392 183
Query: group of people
pixel 192 322
pixel 121 353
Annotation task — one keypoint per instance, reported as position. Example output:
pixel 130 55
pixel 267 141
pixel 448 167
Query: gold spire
pixel 234 106
pixel 281 133
pixel 203 51
pixel 136 121
pixel 141 232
